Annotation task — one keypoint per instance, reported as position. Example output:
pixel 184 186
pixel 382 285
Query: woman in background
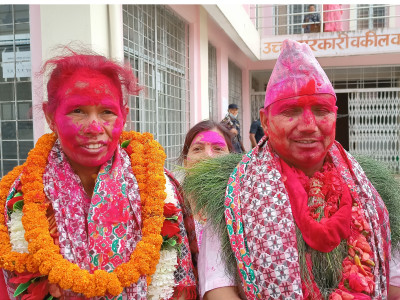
pixel 206 139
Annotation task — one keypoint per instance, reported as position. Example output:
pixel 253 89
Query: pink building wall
pixel 191 14
pixel 226 50
pixel 36 62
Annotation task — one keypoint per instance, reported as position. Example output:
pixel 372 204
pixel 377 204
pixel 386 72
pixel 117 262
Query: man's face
pixel 233 111
pixel 302 129
pixel 311 8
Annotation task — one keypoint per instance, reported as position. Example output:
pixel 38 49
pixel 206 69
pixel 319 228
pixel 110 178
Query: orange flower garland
pixel 147 160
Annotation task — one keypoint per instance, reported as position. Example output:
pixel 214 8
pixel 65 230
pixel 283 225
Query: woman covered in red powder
pixel 92 213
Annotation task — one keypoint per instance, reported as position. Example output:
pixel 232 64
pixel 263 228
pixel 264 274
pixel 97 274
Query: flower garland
pixel 17 232
pixel 147 160
pixel 324 190
pixel 163 280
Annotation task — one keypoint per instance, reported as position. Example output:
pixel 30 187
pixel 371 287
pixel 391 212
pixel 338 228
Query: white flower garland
pixel 17 232
pixel 163 281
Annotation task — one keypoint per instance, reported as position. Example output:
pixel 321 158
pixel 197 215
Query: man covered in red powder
pixel 303 220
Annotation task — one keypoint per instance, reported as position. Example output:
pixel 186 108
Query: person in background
pixel 302 218
pixel 256 132
pixel 204 140
pixel 92 203
pixel 311 17
pixel 207 139
pixel 231 122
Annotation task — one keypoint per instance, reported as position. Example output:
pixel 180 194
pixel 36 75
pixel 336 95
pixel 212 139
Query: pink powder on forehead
pixel 90 83
pixel 211 137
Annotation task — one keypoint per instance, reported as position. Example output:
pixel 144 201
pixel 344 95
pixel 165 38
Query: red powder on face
pixel 302 129
pixel 206 144
pixel 89 119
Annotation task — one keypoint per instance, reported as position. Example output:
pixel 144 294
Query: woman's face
pixel 88 120
pixel 206 144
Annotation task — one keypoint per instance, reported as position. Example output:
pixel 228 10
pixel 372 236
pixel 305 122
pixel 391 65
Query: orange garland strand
pixel 147 160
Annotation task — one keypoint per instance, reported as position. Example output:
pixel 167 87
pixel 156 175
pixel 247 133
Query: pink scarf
pixel 112 215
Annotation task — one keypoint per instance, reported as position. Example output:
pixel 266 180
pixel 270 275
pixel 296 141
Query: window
pixel 288 19
pixel 156 45
pixel 16 125
pixel 295 17
pixel 371 16
pixel 235 87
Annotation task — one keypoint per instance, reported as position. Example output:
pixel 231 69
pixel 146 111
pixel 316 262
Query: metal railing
pixel 292 19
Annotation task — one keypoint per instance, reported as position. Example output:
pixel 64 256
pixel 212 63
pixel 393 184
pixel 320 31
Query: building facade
pixel 193 60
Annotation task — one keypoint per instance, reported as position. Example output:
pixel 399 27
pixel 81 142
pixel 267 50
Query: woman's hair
pixel 63 67
pixel 204 126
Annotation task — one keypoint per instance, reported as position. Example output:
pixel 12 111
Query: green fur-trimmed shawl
pixel 206 183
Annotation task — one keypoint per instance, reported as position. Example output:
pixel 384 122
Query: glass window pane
pixel 22 28
pixel 24 148
pixel 10 149
pixel 8 130
pixel 7 66
pixel 24 111
pixel 7 30
pixel 7 111
pixel 25 130
pixel 21 13
pixel 6 92
pixel 5 14
pixel 9 165
pixel 24 91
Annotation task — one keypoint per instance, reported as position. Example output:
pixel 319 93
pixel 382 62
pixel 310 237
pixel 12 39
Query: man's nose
pixel 307 120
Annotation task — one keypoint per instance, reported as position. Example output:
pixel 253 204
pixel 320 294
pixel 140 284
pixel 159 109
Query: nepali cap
pixel 296 73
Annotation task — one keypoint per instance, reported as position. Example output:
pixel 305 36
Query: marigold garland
pixel 147 160
pixel 324 190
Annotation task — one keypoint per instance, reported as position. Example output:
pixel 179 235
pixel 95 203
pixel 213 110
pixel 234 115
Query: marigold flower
pixel 147 161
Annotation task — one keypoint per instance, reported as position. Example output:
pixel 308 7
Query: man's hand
pixel 253 140
pixel 234 131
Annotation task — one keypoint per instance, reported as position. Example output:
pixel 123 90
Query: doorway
pixel 342 122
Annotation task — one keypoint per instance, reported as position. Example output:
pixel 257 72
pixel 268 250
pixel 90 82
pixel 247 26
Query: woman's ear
pixel 49 117
pixel 126 113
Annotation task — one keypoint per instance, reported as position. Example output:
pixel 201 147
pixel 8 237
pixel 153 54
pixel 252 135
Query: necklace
pixel 352 266
pixel 147 160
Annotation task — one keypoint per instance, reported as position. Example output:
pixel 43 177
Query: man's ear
pixel 264 119
pixel 49 117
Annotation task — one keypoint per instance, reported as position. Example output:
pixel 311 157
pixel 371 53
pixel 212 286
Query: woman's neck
pixel 87 175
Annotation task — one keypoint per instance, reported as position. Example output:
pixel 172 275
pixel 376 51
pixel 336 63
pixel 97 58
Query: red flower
pixel 129 150
pixel 358 283
pixel 335 296
pixel 170 210
pixel 37 290
pixel 169 229
pixel 11 202
pixel 24 277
